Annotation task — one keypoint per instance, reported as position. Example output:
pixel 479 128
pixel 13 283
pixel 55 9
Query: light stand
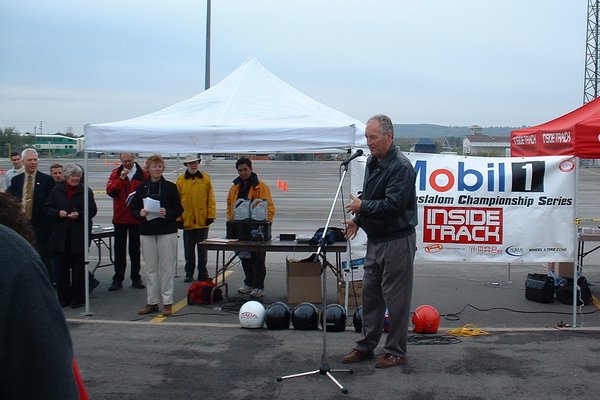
pixel 324 369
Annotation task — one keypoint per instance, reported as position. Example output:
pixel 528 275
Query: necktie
pixel 29 197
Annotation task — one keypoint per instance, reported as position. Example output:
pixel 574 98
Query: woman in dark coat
pixel 65 211
pixel 157 205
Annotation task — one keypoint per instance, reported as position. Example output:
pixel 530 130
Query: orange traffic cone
pixel 279 185
pixel 106 162
pixel 284 186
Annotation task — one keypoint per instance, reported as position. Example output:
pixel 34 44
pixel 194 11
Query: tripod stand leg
pixel 343 389
pixel 322 372
pixel 281 378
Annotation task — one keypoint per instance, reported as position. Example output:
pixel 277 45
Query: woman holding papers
pixel 156 204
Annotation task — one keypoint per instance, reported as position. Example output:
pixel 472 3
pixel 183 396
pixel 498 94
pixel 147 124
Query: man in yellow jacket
pixel 247 186
pixel 199 211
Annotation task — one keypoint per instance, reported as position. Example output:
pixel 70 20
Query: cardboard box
pixel 561 269
pixel 303 281
pixel 353 287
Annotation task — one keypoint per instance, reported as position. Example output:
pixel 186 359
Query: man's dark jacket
pixel 42 187
pixel 389 204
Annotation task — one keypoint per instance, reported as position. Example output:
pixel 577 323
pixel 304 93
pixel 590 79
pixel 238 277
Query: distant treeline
pixel 439 131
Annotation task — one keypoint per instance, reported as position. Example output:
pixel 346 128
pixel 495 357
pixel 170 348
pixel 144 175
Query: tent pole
pixel 575 260
pixel 86 233
pixel 177 248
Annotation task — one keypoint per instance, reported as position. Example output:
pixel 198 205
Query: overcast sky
pixel 449 62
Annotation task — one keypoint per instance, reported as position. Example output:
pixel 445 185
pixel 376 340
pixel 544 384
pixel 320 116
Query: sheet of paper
pixel 153 208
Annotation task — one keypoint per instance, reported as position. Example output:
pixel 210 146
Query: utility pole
pixel 590 83
pixel 207 58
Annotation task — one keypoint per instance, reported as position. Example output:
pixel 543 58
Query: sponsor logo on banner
pixel 524 176
pixel 434 248
pixel 463 225
pixel 515 251
pixel 548 250
pixel 487 250
pixel 567 165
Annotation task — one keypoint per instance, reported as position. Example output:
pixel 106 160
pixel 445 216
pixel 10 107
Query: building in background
pixel 424 145
pixel 478 144
pixel 57 145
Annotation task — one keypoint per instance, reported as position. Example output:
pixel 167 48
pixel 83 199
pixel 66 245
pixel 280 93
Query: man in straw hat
pixel 199 211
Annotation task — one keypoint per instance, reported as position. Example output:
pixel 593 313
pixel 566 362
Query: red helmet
pixel 426 319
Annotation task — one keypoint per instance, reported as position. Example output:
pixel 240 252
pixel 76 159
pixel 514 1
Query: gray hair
pixel 73 169
pixel 385 123
pixel 29 150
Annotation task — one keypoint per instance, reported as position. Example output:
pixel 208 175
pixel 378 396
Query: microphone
pixel 347 161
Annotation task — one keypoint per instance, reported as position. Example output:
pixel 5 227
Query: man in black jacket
pixel 387 212
pixel 33 201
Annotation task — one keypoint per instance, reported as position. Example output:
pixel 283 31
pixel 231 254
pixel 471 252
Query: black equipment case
pixel 539 288
pixel 259 231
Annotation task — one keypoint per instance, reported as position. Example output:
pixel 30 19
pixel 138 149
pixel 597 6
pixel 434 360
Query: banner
pixel 495 209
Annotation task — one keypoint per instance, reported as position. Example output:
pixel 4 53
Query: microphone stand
pixel 324 368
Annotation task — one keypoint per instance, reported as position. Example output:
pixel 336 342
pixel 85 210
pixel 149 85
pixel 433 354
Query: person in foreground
pixel 36 360
pixel 65 210
pixel 157 206
pixel 247 186
pixel 387 212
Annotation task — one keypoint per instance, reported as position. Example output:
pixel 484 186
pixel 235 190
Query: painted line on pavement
pixel 237 326
pixel 181 304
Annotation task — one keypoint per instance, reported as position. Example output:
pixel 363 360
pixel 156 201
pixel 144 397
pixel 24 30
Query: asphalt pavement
pixel 516 349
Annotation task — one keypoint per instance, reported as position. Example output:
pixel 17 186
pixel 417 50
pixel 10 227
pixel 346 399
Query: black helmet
pixel 278 316
pixel 305 317
pixel 357 320
pixel 335 318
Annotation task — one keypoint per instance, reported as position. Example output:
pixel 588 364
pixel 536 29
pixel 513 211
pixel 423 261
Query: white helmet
pixel 252 315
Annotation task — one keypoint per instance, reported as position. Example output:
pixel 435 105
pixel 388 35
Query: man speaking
pixel 387 212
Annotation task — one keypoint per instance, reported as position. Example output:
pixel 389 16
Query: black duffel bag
pixel 539 288
pixel 564 291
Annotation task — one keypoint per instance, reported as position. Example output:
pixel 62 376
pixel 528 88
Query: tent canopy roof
pixel 576 133
pixel 251 110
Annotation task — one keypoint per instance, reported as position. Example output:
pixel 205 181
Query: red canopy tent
pixel 576 133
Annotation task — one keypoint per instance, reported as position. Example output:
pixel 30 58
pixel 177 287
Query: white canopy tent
pixel 251 110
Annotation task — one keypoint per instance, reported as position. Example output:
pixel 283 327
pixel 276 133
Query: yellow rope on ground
pixel 467 330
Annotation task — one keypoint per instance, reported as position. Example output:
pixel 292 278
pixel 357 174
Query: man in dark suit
pixel 32 193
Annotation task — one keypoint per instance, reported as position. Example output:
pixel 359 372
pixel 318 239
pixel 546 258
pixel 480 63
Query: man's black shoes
pixel 138 284
pixel 115 286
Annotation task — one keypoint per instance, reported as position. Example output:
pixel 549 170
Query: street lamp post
pixel 207 58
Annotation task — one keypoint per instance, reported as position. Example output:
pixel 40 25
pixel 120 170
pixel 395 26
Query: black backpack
pixel 564 291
